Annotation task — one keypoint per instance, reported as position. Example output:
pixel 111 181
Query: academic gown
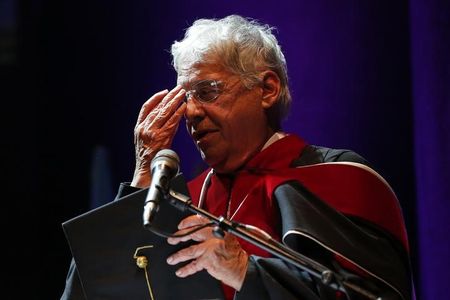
pixel 327 204
pixel 306 197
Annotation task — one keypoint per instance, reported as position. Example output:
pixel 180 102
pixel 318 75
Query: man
pixel 233 76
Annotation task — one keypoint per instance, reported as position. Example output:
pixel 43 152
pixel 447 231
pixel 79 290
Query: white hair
pixel 242 46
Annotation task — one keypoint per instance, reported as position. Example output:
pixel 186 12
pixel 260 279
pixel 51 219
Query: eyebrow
pixel 194 83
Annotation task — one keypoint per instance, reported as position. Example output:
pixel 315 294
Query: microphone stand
pixel 327 276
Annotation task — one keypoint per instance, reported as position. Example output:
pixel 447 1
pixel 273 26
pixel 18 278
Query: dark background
pixel 372 76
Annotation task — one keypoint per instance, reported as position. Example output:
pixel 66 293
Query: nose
pixel 194 110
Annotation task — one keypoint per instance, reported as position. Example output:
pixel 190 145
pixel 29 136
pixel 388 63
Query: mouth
pixel 200 134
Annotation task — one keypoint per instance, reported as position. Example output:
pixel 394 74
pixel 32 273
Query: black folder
pixel 105 243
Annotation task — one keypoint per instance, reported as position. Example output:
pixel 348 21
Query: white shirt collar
pixel 275 137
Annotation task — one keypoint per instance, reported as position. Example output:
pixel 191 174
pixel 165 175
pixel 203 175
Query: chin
pixel 215 161
pixel 222 166
pixel 219 160
pixel 211 161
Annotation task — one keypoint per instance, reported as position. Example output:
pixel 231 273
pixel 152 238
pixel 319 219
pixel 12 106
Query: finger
pixel 192 221
pixel 173 103
pixel 198 236
pixel 186 254
pixel 191 268
pixel 170 95
pixel 150 104
pixel 166 108
pixel 176 240
pixel 170 127
pixel 174 120
pixel 189 224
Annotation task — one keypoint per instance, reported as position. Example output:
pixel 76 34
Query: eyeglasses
pixel 205 90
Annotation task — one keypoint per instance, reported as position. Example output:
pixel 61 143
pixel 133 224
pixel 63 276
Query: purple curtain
pixel 372 76
pixel 430 63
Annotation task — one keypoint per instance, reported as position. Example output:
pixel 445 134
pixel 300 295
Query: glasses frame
pixel 217 87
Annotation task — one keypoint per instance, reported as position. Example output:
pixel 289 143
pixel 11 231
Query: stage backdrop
pixel 372 76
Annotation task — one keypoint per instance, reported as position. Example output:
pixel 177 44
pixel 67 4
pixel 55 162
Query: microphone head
pixel 169 158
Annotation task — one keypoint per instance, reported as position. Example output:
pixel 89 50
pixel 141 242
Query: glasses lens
pixel 206 90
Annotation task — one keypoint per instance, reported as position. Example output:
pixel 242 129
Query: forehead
pixel 200 72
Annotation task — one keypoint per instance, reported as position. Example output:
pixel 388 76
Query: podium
pixel 107 243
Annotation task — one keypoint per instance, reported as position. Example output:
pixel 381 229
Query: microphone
pixel 164 166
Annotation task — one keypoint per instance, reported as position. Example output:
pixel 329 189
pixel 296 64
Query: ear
pixel 271 87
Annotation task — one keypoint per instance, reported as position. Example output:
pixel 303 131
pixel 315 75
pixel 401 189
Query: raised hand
pixel 155 128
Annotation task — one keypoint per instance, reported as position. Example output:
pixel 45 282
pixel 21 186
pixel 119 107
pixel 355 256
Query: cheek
pixel 238 119
pixel 245 119
pixel 239 131
pixel 231 124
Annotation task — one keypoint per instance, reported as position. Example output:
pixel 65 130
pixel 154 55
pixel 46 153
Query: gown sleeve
pixel 358 251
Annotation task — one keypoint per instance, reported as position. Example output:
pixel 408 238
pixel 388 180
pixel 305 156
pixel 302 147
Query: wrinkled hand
pixel 224 259
pixel 155 129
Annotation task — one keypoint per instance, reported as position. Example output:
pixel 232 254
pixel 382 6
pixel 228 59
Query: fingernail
pixel 178 273
pixel 169 260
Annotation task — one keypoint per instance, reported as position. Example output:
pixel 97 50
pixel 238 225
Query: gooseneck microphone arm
pixel 263 241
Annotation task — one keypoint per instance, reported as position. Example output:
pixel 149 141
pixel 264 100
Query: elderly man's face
pixel 229 129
